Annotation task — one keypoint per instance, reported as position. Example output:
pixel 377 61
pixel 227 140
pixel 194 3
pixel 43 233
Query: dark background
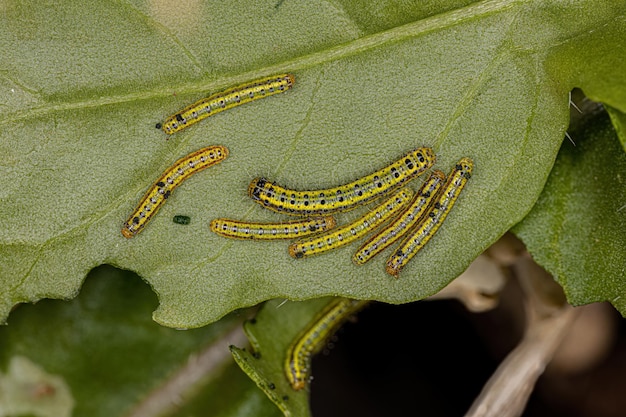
pixel 432 358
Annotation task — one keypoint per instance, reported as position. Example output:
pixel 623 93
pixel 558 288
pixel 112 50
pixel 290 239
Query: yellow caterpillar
pixel 167 182
pixel 313 338
pixel 344 197
pixel 225 100
pixel 236 229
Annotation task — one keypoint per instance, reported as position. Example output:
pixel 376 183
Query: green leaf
pixel 271 333
pixel 619 123
pixel 102 355
pixel 83 85
pixel 576 229
pixel 232 394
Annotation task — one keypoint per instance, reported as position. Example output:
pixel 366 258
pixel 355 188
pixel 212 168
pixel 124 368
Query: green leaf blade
pixel 81 147
pixel 576 230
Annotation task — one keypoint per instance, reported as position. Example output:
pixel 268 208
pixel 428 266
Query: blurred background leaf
pixel 105 356
pixel 576 229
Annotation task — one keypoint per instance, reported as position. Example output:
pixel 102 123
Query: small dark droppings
pixel 158 125
pixel 180 219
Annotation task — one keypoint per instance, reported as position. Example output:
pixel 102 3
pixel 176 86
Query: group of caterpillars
pixel 414 216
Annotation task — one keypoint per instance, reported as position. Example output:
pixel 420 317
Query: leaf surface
pixel 82 86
